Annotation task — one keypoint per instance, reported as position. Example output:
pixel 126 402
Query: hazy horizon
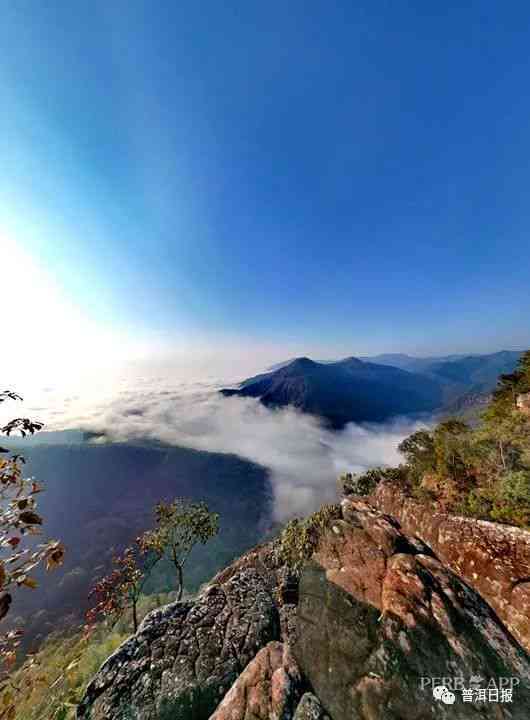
pixel 158 401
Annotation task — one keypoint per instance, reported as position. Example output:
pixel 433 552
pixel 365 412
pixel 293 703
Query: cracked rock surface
pixel 268 689
pixel 378 612
pixel 378 615
pixel 185 656
pixel 493 558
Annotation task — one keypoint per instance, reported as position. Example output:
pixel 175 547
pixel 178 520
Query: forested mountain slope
pixel 355 390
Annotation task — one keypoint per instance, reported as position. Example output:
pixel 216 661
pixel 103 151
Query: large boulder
pixel 380 619
pixel 185 656
pixel 268 689
pixel 494 559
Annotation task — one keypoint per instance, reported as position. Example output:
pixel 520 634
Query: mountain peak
pixel 368 390
pixel 303 363
pixel 343 391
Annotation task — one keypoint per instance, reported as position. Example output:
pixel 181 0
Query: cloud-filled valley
pixel 303 457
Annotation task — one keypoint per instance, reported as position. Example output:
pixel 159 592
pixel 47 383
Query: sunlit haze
pixel 220 188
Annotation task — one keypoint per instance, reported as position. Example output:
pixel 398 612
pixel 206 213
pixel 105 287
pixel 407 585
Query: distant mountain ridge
pixel 492 363
pixel 343 391
pixel 363 390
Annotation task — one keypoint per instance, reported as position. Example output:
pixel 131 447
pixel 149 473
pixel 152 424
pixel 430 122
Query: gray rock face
pixel 185 656
pixel 377 615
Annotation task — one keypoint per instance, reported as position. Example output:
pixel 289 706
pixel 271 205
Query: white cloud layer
pixel 304 458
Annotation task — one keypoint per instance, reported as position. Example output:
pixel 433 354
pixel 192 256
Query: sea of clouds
pixel 303 456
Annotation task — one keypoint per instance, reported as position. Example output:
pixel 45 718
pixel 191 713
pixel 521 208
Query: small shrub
pixel 423 494
pixel 366 483
pixel 511 502
pixel 300 538
pixel 61 669
pixel 515 487
pixel 354 484
pixel 475 503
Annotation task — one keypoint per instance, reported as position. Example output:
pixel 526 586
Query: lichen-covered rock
pixel 186 656
pixel 378 618
pixel 268 689
pixel 523 403
pixel 309 708
pixel 494 559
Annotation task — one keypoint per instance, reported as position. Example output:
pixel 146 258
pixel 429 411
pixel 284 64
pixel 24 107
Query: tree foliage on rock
pixel 365 483
pixel 482 471
pixel 300 537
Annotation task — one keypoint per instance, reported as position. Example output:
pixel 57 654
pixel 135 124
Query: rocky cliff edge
pixel 378 619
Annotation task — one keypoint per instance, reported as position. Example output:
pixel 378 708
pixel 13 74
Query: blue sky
pixel 317 176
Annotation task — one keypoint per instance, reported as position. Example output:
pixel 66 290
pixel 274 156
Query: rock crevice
pixel 494 559
pixel 389 616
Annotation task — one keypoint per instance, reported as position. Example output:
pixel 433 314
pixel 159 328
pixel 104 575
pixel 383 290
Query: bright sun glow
pixel 48 335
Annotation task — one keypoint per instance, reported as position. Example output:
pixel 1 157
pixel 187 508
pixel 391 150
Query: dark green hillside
pixel 478 372
pixel 459 375
pixel 481 470
pixel 359 390
pixel 461 368
pixel 99 497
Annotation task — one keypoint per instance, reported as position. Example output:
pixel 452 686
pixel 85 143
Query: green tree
pixel 419 452
pixel 503 424
pixel 524 370
pixel 451 440
pixel 483 472
pixel 180 525
pixel 365 483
